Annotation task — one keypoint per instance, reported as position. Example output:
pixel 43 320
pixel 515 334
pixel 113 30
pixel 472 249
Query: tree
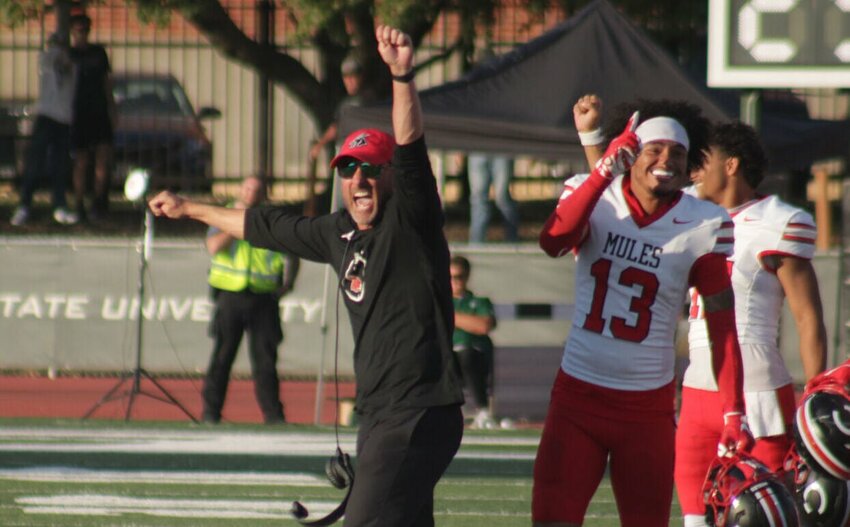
pixel 337 28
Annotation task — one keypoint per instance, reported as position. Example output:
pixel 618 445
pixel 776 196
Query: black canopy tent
pixel 521 103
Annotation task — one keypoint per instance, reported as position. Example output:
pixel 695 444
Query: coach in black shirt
pixel 392 258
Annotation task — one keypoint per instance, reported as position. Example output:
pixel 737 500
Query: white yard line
pixel 106 434
pixel 211 442
pixel 80 475
pixel 111 505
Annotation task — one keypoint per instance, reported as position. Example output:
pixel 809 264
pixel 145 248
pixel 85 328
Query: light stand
pixel 134 190
pixel 336 203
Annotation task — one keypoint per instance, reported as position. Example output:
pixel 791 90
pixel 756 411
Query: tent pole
pixel 320 372
pixel 751 108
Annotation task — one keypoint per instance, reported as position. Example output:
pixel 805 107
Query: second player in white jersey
pixel 774 243
pixel 765 228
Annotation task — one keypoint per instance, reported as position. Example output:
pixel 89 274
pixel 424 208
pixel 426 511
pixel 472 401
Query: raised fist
pixel 586 113
pixel 395 48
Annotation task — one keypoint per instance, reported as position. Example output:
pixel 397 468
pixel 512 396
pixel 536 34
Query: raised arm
pixel 396 49
pixel 587 115
pixel 567 226
pixel 170 205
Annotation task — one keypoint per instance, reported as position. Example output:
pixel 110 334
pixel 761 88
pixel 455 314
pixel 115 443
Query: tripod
pixel 136 375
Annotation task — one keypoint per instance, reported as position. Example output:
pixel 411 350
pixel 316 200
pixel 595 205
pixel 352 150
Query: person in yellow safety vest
pixel 247 283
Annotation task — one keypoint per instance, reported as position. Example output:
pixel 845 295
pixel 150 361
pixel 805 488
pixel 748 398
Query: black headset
pixel 340 473
pixel 338 468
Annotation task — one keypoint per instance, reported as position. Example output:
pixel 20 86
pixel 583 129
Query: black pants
pixel 475 365
pixel 259 316
pixel 48 160
pixel 400 459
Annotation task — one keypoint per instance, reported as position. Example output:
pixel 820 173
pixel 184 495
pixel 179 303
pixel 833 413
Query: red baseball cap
pixel 369 146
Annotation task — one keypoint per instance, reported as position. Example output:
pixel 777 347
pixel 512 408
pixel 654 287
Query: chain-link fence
pixel 204 121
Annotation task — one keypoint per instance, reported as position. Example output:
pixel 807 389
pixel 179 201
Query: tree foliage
pixel 338 28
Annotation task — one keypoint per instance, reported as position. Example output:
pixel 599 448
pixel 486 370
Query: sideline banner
pixel 73 304
pixel 70 304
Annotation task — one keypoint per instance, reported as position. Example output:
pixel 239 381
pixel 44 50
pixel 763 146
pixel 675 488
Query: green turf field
pixel 99 474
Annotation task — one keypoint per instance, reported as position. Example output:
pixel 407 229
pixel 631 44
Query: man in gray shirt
pixel 50 143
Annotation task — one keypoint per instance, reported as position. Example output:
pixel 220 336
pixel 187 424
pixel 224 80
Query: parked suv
pixel 15 128
pixel 159 130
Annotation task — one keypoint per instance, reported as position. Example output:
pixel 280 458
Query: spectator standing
pixel 247 284
pixel 392 257
pixel 639 242
pixel 488 170
pixel 352 78
pixel 474 320
pixel 93 117
pixel 49 152
pixel 485 171
pixel 774 245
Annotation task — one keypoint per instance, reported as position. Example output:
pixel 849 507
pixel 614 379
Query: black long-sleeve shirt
pixel 395 282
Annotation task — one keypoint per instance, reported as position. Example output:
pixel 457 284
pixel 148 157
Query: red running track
pixel 72 397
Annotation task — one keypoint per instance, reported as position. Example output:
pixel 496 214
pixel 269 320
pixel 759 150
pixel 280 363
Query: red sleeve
pixel 710 277
pixel 565 227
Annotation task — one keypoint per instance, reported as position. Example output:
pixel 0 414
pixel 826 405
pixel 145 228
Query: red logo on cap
pixel 370 146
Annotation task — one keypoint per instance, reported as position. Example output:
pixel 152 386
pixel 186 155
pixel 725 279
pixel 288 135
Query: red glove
pixel 736 436
pixel 621 153
pixel 837 378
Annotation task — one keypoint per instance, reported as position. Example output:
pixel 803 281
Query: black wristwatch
pixel 407 77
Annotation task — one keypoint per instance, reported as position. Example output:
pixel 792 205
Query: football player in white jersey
pixel 774 244
pixel 639 243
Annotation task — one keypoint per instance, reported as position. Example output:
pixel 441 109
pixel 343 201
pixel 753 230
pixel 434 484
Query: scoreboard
pixel 779 43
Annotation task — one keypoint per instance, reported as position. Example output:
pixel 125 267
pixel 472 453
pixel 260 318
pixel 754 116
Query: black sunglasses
pixel 369 171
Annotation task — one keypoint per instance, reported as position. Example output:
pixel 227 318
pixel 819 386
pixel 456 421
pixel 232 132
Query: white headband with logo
pixel 662 129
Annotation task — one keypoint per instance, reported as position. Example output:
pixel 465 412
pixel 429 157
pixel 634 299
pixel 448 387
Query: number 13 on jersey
pixel 640 305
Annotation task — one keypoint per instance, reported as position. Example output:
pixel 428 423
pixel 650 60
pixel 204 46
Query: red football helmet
pixel 741 492
pixel 822 430
pixel 822 501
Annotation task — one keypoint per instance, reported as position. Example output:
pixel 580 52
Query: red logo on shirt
pixel 354 279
